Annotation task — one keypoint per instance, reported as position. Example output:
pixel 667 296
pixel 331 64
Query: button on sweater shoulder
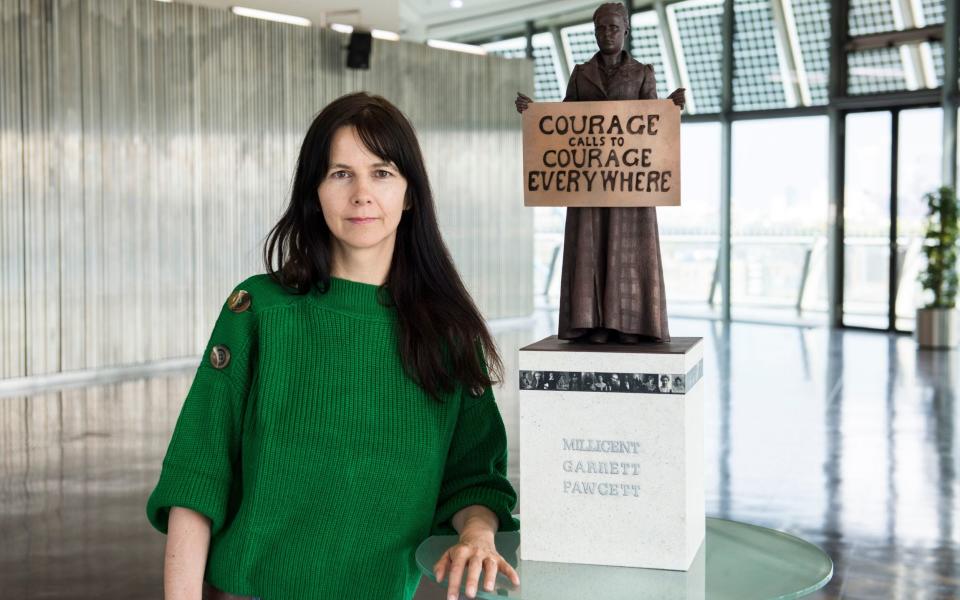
pixel 320 463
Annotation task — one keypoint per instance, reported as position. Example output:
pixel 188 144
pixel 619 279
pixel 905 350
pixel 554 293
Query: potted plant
pixel 937 323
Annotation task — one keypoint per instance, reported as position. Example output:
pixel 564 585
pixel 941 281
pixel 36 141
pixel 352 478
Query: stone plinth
pixel 611 453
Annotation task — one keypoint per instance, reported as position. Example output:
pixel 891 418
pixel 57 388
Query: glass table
pixel 737 561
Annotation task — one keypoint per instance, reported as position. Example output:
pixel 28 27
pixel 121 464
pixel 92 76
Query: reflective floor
pixel 846 439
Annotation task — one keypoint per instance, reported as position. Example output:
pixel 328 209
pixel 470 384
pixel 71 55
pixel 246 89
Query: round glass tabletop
pixel 738 561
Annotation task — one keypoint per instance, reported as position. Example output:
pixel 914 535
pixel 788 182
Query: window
pixel 911 66
pixel 918 164
pixel 812 21
pixel 646 45
pixel 579 43
pixel 870 16
pixel 697 27
pixel 546 73
pixel 690 233
pixel 779 211
pixel 866 216
pixel 933 11
pixel 758 81
pixel 874 71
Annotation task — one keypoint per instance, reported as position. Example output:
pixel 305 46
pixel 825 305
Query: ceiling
pixel 417 20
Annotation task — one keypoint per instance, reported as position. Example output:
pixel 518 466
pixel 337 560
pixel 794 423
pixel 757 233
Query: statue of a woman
pixel 611 286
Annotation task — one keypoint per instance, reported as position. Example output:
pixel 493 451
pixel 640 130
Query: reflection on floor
pixel 846 439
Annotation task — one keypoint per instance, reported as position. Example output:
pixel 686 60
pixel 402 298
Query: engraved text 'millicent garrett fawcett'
pixel 608 467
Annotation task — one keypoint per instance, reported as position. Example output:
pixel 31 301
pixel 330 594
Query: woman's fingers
pixel 464 565
pixel 473 575
pixel 508 570
pixel 440 568
pixel 458 561
pixel 489 573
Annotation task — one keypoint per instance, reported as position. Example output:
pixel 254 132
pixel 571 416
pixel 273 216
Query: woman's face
pixel 361 196
pixel 610 32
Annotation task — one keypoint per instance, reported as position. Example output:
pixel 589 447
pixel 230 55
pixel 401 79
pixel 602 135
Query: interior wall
pixel 147 148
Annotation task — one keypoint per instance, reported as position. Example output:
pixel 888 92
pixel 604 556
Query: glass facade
pixel 780 51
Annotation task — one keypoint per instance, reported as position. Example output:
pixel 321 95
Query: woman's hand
pixel 474 551
pixel 522 102
pixel 678 96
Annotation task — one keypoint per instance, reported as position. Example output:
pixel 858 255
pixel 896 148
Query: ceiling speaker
pixel 358 50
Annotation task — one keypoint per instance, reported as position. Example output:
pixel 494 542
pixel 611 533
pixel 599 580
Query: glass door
pixel 892 159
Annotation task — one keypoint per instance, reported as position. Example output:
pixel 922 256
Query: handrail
pixel 814 251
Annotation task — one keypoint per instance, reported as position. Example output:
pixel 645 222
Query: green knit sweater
pixel 319 462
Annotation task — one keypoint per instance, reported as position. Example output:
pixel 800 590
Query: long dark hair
pixel 440 332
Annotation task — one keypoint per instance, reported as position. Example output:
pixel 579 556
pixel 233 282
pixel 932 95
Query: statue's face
pixel 610 32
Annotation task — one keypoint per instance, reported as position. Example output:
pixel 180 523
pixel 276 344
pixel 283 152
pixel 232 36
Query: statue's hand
pixel 678 97
pixel 522 102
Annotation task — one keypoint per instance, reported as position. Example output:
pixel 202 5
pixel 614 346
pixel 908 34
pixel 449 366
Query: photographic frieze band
pixel 624 383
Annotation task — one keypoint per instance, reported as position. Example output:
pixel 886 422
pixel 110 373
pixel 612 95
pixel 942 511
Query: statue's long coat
pixel 612 276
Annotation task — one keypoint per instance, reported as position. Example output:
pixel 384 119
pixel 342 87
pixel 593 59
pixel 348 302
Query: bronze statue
pixel 611 286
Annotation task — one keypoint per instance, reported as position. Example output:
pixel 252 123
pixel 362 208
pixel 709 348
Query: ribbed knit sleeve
pixel 476 466
pixel 202 459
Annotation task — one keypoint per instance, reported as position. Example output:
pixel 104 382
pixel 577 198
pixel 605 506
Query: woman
pixel 665 384
pixel 611 283
pixel 343 411
pixel 526 381
pixel 601 385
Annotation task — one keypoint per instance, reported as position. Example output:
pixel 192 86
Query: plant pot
pixel 938 327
